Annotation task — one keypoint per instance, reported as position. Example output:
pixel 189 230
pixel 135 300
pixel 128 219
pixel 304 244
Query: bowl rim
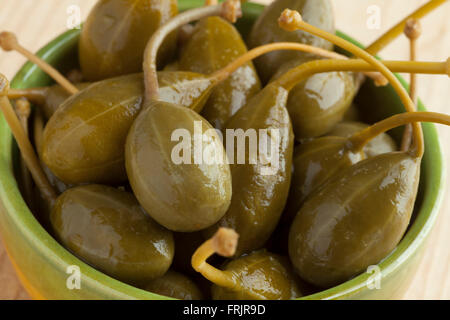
pixel 37 237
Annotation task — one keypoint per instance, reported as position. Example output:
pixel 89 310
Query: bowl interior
pixel 376 103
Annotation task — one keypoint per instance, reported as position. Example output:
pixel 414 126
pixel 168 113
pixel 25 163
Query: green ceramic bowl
pixel 42 263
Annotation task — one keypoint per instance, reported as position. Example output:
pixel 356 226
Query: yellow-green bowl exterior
pixel 42 263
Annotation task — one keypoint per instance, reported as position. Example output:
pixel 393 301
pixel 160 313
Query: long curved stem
pixel 259 51
pixel 35 95
pixel 24 144
pixel 224 242
pixel 302 72
pixel 23 111
pixel 413 81
pixel 412 30
pixel 397 30
pixel 291 20
pixel 8 42
pixel 291 78
pixel 360 139
pixel 152 48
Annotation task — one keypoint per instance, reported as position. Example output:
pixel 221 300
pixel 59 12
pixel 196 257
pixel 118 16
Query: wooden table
pixel 37 22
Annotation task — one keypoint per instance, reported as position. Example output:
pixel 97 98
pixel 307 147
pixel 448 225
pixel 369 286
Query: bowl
pixel 47 270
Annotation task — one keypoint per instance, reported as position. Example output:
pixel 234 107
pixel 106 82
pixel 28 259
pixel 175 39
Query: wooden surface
pixel 37 22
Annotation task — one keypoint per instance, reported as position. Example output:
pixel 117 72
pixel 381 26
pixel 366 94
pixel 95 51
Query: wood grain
pixel 37 22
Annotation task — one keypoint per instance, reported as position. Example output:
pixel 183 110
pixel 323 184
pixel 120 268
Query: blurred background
pixel 37 22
